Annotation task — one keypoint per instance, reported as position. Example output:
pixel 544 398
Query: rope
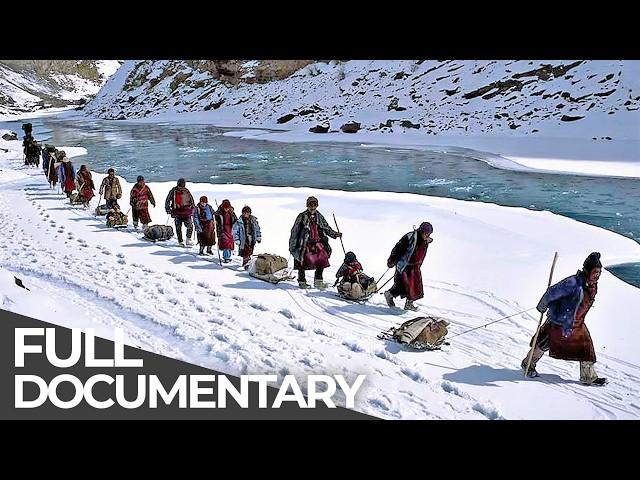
pixel 494 321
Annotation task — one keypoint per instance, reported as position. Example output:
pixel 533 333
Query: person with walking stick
pixel 564 333
pixel 407 256
pixel 309 243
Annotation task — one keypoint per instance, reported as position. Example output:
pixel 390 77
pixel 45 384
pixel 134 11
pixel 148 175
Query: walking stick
pixel 338 229
pixel 535 337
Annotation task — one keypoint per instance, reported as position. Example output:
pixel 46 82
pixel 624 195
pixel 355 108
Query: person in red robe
pixel 407 256
pixel 84 184
pixel 139 199
pixel 225 219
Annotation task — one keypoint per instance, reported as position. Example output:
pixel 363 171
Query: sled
pixel 102 210
pixel 419 334
pixel 275 278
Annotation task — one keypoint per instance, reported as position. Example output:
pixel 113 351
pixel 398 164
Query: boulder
pixel 320 128
pixel 286 118
pixel 350 127
pixel 10 136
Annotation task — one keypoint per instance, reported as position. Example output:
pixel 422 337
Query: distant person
pixel 67 173
pixel 564 333
pixel 407 256
pixel 205 223
pixel 246 233
pixel 111 188
pixel 139 199
pixel 179 204
pixel 225 219
pixel 309 243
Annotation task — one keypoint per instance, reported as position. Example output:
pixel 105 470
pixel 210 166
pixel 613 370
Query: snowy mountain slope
pixel 558 98
pixel 486 262
pixel 29 85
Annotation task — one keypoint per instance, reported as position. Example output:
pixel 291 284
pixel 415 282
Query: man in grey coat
pixel 309 243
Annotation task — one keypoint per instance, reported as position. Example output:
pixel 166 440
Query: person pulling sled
pixel 205 223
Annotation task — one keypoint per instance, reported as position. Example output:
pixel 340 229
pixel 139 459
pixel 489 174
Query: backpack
pixel 267 263
pixel 181 199
pixel 157 233
pixel 422 333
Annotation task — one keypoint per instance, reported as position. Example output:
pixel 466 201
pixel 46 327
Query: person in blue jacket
pixel 246 233
pixel 564 333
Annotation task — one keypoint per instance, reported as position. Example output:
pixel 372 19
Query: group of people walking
pixel 564 334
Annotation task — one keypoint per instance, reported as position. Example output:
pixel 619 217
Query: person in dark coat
pixel 205 223
pixel 309 243
pixel 407 256
pixel 225 220
pixel 564 334
pixel 180 204
pixel 246 233
pixel 139 199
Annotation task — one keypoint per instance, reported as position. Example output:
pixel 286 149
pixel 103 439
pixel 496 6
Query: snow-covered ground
pixel 486 262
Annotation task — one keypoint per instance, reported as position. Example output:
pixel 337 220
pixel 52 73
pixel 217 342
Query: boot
pixel 389 298
pixel 201 250
pixel 588 375
pixel 189 242
pixel 209 251
pixel 537 355
pixel 408 305
pixel 135 225
pixel 303 284
pixel 319 284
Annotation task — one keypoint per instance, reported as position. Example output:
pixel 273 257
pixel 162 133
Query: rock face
pixel 512 97
pixel 30 85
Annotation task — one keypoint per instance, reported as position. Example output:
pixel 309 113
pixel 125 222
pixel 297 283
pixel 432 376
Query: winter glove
pixel 119 196
pixel 390 263
pixel 339 235
pixel 154 204
pixel 237 242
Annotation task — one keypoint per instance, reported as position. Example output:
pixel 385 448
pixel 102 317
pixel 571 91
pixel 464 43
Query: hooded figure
pixel 205 223
pixel 564 333
pixel 225 220
pixel 407 256
pixel 139 199
pixel 309 243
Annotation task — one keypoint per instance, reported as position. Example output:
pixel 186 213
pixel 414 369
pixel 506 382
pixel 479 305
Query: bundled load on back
pixel 158 233
pixel 28 128
pixel 422 333
pixel 270 268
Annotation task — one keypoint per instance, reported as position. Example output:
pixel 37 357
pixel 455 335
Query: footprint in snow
pixel 413 375
pixel 297 326
pixel 353 346
pixel 257 306
pixel 286 313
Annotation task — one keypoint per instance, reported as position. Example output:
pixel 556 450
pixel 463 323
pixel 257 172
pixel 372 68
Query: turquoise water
pixel 201 154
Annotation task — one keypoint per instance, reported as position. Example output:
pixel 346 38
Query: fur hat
pixel 204 199
pixel 246 209
pixel 226 203
pixel 312 200
pixel 140 178
pixel 181 182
